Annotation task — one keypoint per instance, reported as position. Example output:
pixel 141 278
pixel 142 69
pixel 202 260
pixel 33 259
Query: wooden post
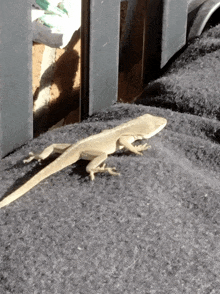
pixel 100 54
pixel 16 102
pixel 164 34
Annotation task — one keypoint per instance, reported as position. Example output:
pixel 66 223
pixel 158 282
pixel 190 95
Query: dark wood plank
pixel 100 54
pixel 164 34
pixel 16 118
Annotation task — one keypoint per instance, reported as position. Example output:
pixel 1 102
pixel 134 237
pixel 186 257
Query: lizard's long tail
pixel 58 164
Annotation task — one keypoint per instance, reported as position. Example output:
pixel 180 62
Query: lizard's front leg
pixel 54 148
pixel 96 159
pixel 126 141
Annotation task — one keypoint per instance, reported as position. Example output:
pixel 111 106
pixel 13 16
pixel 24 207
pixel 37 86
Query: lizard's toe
pixel 92 176
pixel 30 158
pixel 112 171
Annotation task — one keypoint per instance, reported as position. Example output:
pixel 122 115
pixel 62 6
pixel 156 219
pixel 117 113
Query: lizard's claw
pixel 110 170
pixel 104 169
pixel 31 157
pixel 143 147
pixel 140 148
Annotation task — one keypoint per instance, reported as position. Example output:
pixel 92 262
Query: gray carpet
pixel 155 229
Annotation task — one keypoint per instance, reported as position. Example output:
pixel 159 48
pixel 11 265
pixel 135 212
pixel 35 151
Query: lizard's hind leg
pixel 96 164
pixel 54 148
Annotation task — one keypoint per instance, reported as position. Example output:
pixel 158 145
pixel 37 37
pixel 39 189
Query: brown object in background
pixel 37 56
pixel 63 79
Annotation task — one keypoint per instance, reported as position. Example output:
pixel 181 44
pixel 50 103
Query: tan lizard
pixel 95 148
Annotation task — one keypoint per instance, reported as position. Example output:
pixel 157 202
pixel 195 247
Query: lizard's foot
pixel 103 169
pixel 31 157
pixel 140 148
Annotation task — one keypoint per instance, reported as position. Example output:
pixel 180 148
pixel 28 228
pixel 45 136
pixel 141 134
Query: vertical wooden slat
pixel 85 45
pixel 16 120
pixel 164 34
pixel 152 40
pixel 174 28
pixel 101 78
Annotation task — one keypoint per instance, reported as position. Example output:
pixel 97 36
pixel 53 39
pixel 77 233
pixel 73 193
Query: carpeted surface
pixel 192 83
pixel 155 229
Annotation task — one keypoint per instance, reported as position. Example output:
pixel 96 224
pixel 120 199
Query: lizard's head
pixel 148 125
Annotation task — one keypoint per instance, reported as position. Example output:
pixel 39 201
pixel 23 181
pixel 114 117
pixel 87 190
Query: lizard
pixel 95 149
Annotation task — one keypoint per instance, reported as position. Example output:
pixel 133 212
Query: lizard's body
pixel 95 148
